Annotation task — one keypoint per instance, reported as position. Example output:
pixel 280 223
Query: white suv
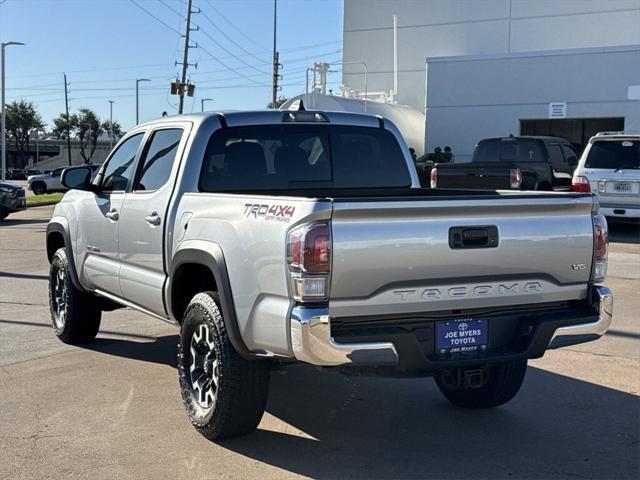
pixel 610 167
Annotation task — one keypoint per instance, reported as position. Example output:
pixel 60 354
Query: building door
pixel 577 131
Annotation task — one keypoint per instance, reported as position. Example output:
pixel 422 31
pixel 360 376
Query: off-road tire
pixel 75 315
pixel 503 383
pixel 39 188
pixel 242 385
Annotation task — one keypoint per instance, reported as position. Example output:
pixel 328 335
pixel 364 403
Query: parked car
pixel 516 163
pixel 16 174
pixel 50 182
pixel 276 237
pixel 12 199
pixel 33 171
pixel 610 167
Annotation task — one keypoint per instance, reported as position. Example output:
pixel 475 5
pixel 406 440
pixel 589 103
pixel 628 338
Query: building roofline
pixel 533 54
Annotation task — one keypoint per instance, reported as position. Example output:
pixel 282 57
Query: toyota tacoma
pixel 275 237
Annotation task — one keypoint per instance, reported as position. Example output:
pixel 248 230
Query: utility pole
pixel 66 106
pixel 3 119
pixel 185 58
pixel 111 124
pixel 138 80
pixel 276 57
pixel 202 103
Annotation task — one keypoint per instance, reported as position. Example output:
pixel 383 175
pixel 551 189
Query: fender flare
pixel 55 227
pixel 210 255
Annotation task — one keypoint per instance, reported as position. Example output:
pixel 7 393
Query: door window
pixel 158 159
pixel 570 156
pixel 555 155
pixel 120 167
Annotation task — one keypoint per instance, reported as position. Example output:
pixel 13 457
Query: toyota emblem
pixel 463 326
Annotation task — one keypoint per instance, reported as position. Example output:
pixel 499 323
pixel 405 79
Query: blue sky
pixel 104 45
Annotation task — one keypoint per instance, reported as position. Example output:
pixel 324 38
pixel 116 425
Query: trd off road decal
pixel 269 213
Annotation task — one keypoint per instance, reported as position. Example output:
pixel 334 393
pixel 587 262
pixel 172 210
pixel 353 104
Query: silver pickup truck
pixel 274 237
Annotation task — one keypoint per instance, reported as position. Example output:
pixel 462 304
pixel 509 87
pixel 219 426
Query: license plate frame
pixel 622 187
pixel 462 335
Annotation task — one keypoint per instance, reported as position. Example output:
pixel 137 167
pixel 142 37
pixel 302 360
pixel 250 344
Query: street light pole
pixel 202 103
pixel 137 95
pixel 3 131
pixel 111 102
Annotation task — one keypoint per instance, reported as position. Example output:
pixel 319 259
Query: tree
pixel 22 118
pixel 62 124
pixel 117 129
pixel 88 131
pixel 278 102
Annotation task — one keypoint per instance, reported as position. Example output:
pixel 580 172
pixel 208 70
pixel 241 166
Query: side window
pixel 570 156
pixel 57 172
pixel 119 170
pixel 555 155
pixel 158 159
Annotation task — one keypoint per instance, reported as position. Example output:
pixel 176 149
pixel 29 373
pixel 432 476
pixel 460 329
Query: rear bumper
pixel 409 346
pixel 620 211
pixel 587 332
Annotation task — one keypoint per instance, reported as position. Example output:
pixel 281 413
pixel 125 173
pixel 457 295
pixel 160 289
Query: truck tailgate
pixel 393 256
pixel 470 175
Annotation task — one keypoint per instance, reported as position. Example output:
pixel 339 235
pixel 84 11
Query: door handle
pixel 153 219
pixel 112 215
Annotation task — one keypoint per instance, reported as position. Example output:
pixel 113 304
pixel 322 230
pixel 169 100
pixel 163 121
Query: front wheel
pixel 75 315
pixel 39 188
pixel 494 386
pixel 224 394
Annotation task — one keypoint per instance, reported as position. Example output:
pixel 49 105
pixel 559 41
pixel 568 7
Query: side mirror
pixel 77 178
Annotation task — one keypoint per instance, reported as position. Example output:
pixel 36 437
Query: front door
pixel 143 223
pixel 100 215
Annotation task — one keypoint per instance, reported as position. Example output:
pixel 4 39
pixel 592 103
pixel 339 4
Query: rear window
pixel 614 154
pixel 285 157
pixel 520 150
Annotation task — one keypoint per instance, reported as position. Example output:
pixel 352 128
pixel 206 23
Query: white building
pixel 493 67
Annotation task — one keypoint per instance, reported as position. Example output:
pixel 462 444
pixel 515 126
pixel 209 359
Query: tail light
pixel 515 178
pixel 600 247
pixel 434 178
pixel 309 262
pixel 580 184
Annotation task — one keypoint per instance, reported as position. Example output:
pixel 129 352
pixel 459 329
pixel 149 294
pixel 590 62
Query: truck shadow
pixel 322 424
pixel 402 428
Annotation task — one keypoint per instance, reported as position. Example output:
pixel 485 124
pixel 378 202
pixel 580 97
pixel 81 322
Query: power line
pixel 154 17
pixel 232 40
pixel 172 9
pixel 248 65
pixel 235 27
pixel 227 66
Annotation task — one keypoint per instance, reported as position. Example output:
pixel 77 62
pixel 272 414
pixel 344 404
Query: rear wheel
pixel 39 188
pixel 492 386
pixel 224 394
pixel 75 315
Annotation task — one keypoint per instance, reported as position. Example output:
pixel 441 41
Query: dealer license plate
pixel 622 187
pixel 463 335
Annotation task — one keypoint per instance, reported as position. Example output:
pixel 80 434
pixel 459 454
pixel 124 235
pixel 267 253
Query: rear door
pixel 561 173
pixel 143 222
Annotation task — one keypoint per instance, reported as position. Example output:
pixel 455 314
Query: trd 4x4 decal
pixel 276 213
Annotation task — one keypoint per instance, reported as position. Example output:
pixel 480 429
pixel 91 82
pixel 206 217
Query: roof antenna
pixel 301 106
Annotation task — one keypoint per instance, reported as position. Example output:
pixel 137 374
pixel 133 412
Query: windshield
pixel 614 154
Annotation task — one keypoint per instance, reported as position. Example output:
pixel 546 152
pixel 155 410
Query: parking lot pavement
pixel 112 409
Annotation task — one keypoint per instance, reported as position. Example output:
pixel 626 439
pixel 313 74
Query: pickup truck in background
pixel 276 237
pixel 512 163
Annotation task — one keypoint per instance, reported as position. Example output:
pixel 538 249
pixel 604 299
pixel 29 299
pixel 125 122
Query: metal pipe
pixel 3 130
pixel 111 124
pixel 395 56
pixel 202 103
pixel 366 74
pixel 138 80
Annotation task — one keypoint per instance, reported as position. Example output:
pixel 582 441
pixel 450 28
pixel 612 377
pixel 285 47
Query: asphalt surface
pixel 112 409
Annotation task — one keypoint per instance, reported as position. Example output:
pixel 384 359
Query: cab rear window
pixel 516 150
pixel 290 157
pixel 615 155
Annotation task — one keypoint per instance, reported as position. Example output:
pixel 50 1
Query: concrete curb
pixel 44 204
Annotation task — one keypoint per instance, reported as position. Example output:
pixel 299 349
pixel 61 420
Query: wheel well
pixel 188 280
pixel 544 186
pixel 55 240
